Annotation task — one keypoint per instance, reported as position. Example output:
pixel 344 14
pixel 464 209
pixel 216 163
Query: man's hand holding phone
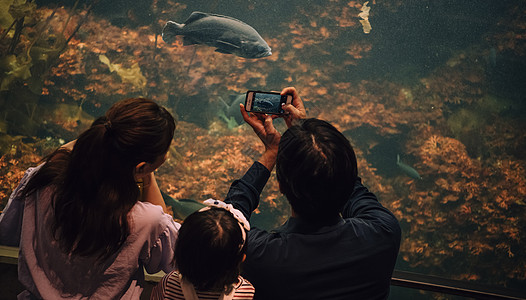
pixel 295 110
pixel 286 104
pixel 290 108
pixel 262 125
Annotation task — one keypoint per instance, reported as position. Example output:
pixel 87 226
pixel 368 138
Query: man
pixel 340 242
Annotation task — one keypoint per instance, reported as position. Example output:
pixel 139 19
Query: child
pixel 208 255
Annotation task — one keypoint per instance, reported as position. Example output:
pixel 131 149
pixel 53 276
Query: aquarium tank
pixel 431 94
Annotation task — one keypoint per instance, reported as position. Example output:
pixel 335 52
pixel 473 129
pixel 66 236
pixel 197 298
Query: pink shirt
pixel 49 273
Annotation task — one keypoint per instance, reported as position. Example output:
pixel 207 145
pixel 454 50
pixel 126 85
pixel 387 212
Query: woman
pixel 84 232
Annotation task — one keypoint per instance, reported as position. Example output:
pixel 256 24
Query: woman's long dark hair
pixel 94 184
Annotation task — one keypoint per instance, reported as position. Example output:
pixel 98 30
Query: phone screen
pixel 265 102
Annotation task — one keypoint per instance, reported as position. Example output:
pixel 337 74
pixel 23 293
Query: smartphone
pixel 266 102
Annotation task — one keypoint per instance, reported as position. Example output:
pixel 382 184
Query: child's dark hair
pixel 210 249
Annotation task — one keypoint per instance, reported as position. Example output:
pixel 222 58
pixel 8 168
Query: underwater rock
pixel 70 116
pixel 3 126
pixel 464 120
pixel 48 49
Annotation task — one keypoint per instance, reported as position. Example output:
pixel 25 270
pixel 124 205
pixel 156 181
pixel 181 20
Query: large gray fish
pixel 226 34
pixel 408 170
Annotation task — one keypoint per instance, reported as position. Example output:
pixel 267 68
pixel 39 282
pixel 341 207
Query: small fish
pixel 231 113
pixel 182 208
pixel 492 57
pixel 226 34
pixel 263 104
pixel 409 171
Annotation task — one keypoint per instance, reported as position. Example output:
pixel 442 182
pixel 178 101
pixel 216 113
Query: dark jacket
pixel 352 258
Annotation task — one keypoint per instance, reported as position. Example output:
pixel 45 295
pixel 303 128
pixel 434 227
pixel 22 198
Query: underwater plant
pixel 33 49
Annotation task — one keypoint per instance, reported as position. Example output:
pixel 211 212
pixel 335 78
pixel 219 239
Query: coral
pixel 481 201
pixel 511 33
pixel 16 156
pixel 468 208
pixel 464 85
pixel 205 165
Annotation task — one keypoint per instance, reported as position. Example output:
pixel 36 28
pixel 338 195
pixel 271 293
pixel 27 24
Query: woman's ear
pixel 142 169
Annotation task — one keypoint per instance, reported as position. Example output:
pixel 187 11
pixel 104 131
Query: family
pixel 91 218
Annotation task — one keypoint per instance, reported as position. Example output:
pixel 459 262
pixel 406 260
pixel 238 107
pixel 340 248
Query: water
pixel 440 83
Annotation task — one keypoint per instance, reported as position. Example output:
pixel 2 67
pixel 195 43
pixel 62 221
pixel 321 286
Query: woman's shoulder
pixel 146 209
pixel 147 216
pixel 153 233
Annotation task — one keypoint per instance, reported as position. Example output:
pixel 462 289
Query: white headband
pixel 238 215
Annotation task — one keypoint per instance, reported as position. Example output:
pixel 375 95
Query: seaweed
pixel 32 51
pixel 130 75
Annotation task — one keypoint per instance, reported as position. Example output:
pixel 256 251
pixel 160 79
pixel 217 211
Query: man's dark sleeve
pixel 364 205
pixel 244 193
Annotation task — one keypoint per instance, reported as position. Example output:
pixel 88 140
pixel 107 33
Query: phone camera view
pixel 268 103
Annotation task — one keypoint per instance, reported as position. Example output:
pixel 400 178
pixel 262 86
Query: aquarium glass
pixel 431 94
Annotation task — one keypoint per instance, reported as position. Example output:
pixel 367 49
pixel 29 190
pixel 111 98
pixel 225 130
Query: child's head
pixel 211 247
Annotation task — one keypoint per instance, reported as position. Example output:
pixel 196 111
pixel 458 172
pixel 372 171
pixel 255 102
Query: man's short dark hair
pixel 316 168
